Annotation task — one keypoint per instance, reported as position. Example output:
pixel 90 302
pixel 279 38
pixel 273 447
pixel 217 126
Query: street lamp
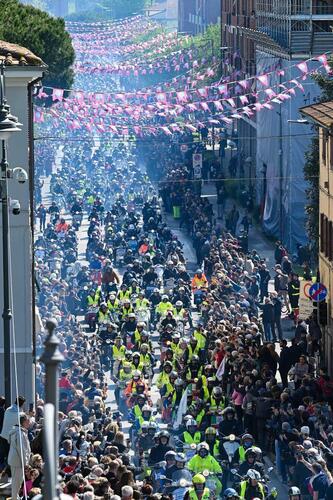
pixel 8 125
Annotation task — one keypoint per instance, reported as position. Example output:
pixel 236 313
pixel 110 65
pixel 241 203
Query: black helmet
pixel 164 434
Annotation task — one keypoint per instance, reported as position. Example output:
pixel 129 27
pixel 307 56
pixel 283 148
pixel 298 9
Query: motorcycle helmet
pixel 203 449
pixel 179 303
pixel 173 375
pixel 199 481
pixel 170 456
pixel 210 431
pixel 250 452
pixel 294 491
pixel 229 411
pixel 136 374
pixel 181 459
pixel 164 434
pixel 253 474
pixel 191 423
pixel 144 426
pixel 230 493
pixel 146 409
pixel 152 428
pixel 217 391
pixel 247 440
pixel 179 382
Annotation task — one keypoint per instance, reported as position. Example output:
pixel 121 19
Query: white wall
pixel 17 80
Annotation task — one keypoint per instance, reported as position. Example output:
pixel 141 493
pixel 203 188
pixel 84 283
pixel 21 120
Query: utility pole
pixel 52 358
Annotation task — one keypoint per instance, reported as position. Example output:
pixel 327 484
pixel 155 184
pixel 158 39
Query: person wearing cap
pixel 103 314
pixel 126 309
pixel 123 293
pixel 198 491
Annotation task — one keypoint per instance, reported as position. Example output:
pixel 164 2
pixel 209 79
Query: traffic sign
pixel 318 292
pixel 305 303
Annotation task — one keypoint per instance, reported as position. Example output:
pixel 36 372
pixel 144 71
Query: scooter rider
pixel 198 491
pixel 203 460
pixel 252 461
pixel 213 442
pixel 247 442
pixel 191 435
pixel 229 424
pixel 251 487
pixel 158 452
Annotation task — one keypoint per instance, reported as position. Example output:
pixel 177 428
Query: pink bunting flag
pixel 182 96
pixel 190 127
pixel 137 130
pixel 237 115
pixel 204 106
pixel 192 107
pixel 280 72
pixel 303 67
pixel 267 105
pixel 223 89
pixel 166 130
pixel 57 95
pixel 41 94
pixel 218 105
pixel 322 59
pixel 232 102
pixel 270 93
pixel 38 116
pixel 214 122
pixel 226 119
pixel 203 92
pixel 258 106
pixel 161 97
pixel 292 91
pixel 263 79
pixel 244 84
pixel 247 111
pixel 243 99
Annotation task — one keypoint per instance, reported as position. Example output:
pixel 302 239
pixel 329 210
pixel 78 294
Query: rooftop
pixel 321 113
pixel 15 55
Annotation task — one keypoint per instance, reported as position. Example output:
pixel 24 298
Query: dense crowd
pixel 177 381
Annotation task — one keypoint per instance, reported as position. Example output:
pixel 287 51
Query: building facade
pixel 322 115
pixel 195 15
pixel 263 36
pixel 20 72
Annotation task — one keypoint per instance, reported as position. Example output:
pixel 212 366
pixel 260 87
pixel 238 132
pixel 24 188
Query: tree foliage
pixel 44 35
pixel 311 172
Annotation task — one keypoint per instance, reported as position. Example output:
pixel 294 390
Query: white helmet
pixel 203 446
pixel 191 423
pixel 253 474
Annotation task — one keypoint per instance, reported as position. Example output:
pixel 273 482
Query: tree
pixel 311 173
pixel 44 35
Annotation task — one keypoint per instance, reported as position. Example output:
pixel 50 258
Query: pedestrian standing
pixel 9 420
pixel 19 453
pixel 268 319
pixel 41 214
pixel 277 303
pixel 264 281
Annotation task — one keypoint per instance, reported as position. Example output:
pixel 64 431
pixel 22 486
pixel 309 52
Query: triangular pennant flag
pixel 303 67
pixel 263 79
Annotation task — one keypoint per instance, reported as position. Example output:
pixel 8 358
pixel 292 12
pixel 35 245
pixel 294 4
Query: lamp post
pixel 8 125
pixel 52 358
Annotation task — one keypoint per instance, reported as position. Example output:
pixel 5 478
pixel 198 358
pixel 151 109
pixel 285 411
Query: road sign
pixel 318 292
pixel 197 165
pixel 305 303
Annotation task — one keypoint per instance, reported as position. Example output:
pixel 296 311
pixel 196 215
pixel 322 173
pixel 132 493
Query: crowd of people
pixel 177 379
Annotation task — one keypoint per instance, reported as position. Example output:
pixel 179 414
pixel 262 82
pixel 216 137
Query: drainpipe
pixel 31 173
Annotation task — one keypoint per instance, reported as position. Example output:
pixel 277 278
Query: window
pixel 326 237
pixel 324 147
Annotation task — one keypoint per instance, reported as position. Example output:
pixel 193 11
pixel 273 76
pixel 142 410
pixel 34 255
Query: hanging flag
pixel 243 99
pixel 218 105
pixel 232 102
pixel 263 79
pixel 166 130
pixel 244 84
pixel 57 94
pixel 303 67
